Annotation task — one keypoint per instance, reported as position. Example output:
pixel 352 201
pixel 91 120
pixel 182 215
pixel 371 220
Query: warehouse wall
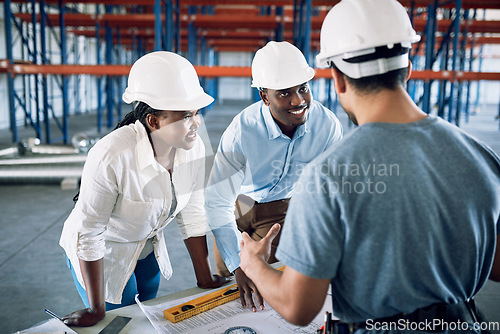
pixel 490 90
pixel 235 88
pixel 82 90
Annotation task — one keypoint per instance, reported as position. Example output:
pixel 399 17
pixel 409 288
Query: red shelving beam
pixel 222 71
pixel 466 4
pixel 268 22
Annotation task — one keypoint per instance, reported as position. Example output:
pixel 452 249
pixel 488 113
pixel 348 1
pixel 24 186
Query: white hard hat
pixel 165 81
pixel 354 28
pixel 280 65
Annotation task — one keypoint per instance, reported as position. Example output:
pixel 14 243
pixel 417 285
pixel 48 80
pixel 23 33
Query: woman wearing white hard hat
pixel 136 180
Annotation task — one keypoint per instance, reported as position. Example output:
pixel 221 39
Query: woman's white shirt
pixel 125 199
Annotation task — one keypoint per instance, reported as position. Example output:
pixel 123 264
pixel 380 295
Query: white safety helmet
pixel 354 28
pixel 280 65
pixel 165 81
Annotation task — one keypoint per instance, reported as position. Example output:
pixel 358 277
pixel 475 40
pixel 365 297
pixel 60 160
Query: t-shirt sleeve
pixel 313 233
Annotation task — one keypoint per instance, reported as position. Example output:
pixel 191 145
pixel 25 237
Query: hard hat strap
pixel 371 67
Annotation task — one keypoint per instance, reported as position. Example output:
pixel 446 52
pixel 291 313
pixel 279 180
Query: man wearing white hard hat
pixel 262 154
pixel 135 181
pixel 402 219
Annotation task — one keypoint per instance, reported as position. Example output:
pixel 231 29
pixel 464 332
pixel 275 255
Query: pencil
pixel 52 314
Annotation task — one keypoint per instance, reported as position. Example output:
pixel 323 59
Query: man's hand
pixel 84 318
pixel 296 297
pixel 253 253
pixel 247 288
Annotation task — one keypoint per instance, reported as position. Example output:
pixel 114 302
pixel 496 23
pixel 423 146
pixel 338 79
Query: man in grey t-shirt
pixel 401 219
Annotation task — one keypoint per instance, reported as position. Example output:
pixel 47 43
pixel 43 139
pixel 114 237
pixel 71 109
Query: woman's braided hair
pixel 140 112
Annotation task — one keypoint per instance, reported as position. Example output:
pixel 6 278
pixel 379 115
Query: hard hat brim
pixel 308 75
pixel 201 101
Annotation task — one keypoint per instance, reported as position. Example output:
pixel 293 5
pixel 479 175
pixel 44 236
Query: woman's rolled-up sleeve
pixel 96 201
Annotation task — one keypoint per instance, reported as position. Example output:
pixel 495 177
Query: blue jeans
pixel 145 281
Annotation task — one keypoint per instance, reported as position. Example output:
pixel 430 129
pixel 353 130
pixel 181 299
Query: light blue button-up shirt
pixel 256 159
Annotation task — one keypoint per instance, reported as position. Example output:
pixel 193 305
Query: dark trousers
pixel 256 219
pixel 436 318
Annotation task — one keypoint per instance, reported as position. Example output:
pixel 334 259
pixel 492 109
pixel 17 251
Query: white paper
pixel 52 326
pixel 231 314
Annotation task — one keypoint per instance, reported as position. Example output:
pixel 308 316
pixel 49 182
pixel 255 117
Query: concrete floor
pixel 33 273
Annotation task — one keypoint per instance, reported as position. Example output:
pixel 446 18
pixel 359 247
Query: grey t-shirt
pixel 398 216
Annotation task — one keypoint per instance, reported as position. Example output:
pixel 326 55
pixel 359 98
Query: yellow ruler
pixel 202 304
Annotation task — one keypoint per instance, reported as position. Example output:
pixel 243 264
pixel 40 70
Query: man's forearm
pixel 269 283
pixel 228 239
pixel 297 297
pixel 278 292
